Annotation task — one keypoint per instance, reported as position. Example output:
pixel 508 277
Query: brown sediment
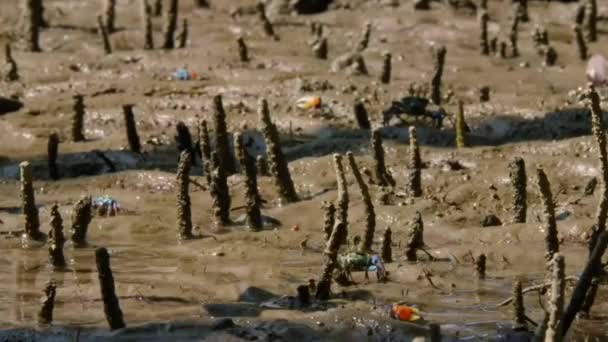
pixel 78 119
pixel 549 223
pixel 31 18
pixel 10 72
pixel 455 200
pixel 382 176
pixel 248 167
pixel 222 140
pixel 109 15
pixel 170 25
pixel 370 214
pixel 52 153
pixel 205 144
pixel 364 40
pixel 519 310
pixel 242 48
pixel 56 240
pixel 415 237
pixel 343 198
pixel 184 209
pixel 30 211
pixel 519 181
pixel 331 260
pixel 461 127
pixel 484 18
pixel 82 214
pixel 592 269
pixel 387 245
pixel 556 301
pixel 591 20
pixel 147 25
pixel 597 127
pixel 439 62
pixel 329 218
pixel 361 115
pixel 581 45
pixel 183 35
pixel 105 36
pixel 276 160
pixel 219 191
pixel 385 75
pixel 45 315
pixel 414 183
pixel 514 30
pixel 111 307
pixel 320 48
pixel 131 128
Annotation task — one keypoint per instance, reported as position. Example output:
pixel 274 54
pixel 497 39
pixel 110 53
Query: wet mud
pixel 225 282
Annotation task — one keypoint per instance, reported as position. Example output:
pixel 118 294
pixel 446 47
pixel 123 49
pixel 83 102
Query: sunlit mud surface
pixel 181 289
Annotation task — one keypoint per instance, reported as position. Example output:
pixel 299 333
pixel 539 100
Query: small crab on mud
pixel 106 206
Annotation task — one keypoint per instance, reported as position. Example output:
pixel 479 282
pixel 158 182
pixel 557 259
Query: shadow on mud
pixel 491 131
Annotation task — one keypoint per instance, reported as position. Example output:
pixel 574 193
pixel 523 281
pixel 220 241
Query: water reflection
pixel 27 266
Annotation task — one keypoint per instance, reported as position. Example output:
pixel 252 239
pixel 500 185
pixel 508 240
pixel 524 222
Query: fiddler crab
pixel 106 206
pixel 350 262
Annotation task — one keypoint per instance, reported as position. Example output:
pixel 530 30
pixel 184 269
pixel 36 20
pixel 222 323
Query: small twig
pixel 538 287
pixel 427 275
pixel 528 319
pixel 431 257
pixel 198 185
pixel 541 304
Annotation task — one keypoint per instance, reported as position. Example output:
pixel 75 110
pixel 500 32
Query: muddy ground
pixel 228 272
